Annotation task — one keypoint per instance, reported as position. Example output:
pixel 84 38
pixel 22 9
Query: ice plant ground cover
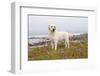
pixel 78 49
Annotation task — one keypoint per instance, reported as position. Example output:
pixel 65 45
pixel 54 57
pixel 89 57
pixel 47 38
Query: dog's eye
pixel 54 26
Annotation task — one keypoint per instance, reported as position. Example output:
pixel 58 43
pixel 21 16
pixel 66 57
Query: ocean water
pixel 37 39
pixel 32 41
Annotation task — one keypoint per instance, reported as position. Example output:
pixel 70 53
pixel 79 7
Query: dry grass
pixel 76 50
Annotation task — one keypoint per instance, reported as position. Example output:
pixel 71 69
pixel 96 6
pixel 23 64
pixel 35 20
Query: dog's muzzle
pixel 53 30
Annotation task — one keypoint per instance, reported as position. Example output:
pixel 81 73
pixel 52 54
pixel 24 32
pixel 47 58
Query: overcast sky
pixel 38 25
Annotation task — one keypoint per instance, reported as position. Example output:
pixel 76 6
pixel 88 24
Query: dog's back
pixel 61 35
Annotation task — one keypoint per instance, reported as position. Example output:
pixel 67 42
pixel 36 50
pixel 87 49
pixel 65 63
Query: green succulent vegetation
pixel 78 49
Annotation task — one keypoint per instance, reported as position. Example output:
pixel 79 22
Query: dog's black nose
pixel 53 30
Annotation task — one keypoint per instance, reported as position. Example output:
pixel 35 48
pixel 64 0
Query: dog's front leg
pixel 55 45
pixel 52 45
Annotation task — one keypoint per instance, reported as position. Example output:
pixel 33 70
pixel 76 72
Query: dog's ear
pixel 49 27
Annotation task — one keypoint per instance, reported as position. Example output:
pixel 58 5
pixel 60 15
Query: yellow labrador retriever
pixel 56 36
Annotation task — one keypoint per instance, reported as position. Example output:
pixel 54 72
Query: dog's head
pixel 52 27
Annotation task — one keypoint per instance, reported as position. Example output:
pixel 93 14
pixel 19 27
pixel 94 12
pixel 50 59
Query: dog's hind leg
pixel 65 44
pixel 68 44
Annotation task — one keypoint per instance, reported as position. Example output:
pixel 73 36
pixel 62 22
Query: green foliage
pixel 76 50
